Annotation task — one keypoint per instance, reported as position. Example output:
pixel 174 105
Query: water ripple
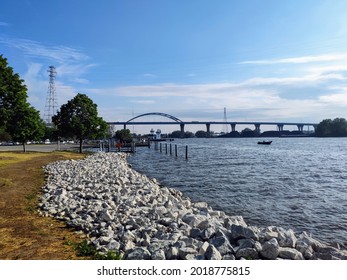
pixel 294 183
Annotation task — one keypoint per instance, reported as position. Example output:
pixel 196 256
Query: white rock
pixel 270 249
pixel 290 253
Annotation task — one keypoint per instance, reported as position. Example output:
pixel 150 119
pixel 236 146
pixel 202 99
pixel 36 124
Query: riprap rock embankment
pixel 120 209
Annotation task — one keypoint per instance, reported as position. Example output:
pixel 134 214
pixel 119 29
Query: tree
pixel 339 127
pixel 176 134
pixel 247 132
pixel 79 118
pixel 123 135
pixel 4 135
pixel 188 134
pixel 26 125
pixel 13 92
pixel 332 128
pixel 51 133
pixel 201 134
pixel 17 118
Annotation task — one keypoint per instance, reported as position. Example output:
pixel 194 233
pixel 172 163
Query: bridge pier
pixel 257 128
pixel 182 130
pixel 125 126
pixel 280 127
pixel 300 127
pixel 233 127
pixel 208 125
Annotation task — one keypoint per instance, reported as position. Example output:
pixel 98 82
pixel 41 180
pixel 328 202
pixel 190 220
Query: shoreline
pixel 122 210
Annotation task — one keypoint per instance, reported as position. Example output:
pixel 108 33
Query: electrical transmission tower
pixel 225 126
pixel 51 100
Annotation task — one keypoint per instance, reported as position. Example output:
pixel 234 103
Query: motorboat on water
pixel 264 142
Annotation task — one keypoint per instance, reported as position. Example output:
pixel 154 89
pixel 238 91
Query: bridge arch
pixel 156 114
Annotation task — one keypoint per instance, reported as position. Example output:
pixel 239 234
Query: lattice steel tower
pixel 51 100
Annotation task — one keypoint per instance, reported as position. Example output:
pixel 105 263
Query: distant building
pixel 154 136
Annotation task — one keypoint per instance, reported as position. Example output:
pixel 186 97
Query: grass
pixel 85 249
pixel 7 158
pixel 24 234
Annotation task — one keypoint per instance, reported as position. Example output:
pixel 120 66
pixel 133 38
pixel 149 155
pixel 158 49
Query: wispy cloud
pixel 149 75
pixel 338 99
pixel 143 102
pixel 286 98
pixel 36 49
pixel 4 23
pixel 299 60
pixel 71 65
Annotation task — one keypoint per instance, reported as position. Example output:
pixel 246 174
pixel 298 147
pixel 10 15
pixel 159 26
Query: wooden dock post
pixel 170 149
pixel 176 150
pixel 186 151
pixel 159 146
pixel 165 148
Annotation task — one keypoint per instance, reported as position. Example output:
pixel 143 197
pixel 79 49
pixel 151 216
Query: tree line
pixel 21 122
pixel 332 128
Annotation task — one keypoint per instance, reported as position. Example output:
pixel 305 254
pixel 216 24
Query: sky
pixel 262 60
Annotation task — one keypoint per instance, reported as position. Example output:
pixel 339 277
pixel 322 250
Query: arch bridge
pixel 175 121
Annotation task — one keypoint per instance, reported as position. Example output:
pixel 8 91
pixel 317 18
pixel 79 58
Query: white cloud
pixel 190 75
pixel 4 23
pixel 149 75
pixel 71 67
pixel 303 80
pixel 261 98
pixel 298 60
pixel 144 102
pixel 60 54
pixel 338 99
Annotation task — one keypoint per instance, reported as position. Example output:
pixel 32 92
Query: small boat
pixel 264 142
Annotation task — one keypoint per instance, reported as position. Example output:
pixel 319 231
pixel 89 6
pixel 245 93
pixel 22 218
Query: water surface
pixel 297 183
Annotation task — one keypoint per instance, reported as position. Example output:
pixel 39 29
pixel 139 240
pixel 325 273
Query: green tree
pixel 17 118
pixel 324 128
pixel 79 118
pixel 247 132
pixel 26 125
pixel 4 135
pixel 339 127
pixel 123 135
pixel 332 128
pixel 51 133
pixel 201 134
pixel 188 134
pixel 176 134
pixel 13 92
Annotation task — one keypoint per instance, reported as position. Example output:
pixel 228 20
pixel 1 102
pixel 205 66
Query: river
pixel 297 183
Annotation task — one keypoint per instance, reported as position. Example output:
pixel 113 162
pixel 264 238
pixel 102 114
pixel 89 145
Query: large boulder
pixel 270 249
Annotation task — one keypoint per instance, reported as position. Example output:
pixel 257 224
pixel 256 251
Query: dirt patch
pixel 24 233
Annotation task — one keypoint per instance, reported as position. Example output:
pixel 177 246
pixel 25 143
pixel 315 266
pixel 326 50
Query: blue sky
pixel 263 60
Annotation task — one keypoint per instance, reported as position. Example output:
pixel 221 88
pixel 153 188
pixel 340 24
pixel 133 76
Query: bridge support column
pixel 257 128
pixel 300 127
pixel 280 127
pixel 233 127
pixel 182 130
pixel 125 126
pixel 208 125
